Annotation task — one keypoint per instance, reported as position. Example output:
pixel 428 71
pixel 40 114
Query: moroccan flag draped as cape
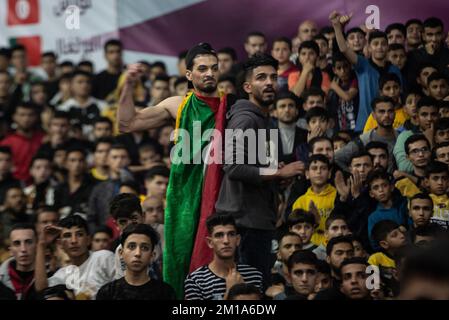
pixel 185 228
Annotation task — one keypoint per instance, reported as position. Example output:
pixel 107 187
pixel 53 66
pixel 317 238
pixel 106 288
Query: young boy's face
pixel 101 241
pixel 324 47
pixel 337 228
pixel 137 252
pixel 226 87
pixel 443 154
pixel 397 58
pixel 396 36
pixel 410 105
pixel 442 135
pixel 438 89
pixel 356 41
pixel 427 115
pixel 102 130
pixel 307 55
pixel 304 230
pixel 325 148
pixel 353 283
pixel 363 165
pixel 318 123
pixel 287 246
pixel 303 278
pixel 148 157
pixel 438 183
pixel 281 52
pixel 359 251
pixel 424 74
pixel 395 240
pixel 342 70
pixel 323 281
pixel 392 90
pixel 339 144
pixel 381 190
pixel 318 173
pixel 444 112
pixel 378 48
pixel 421 211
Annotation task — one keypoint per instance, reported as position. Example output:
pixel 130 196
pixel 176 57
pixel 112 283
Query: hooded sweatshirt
pixel 21 283
pixel 243 193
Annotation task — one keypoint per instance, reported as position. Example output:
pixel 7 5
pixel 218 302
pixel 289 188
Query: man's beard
pixel 267 102
pixel 207 88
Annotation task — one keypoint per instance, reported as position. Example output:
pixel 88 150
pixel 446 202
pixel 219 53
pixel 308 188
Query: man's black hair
pixel 315 140
pixel 242 289
pixel 200 49
pixel 430 230
pixel 61 115
pixel 379 174
pixel 124 205
pixel 157 171
pixel 286 234
pixel 312 92
pixel 303 257
pixel 162 77
pixel 353 260
pixel 338 57
pixel 334 216
pixel 323 267
pixel 433 22
pixel 377 145
pixel 180 80
pixel 326 30
pixel 104 229
pixel 103 120
pixel 426 102
pixel 435 167
pixel 334 241
pixel 40 156
pixel 75 148
pixel 113 42
pixel 421 196
pixel 227 77
pixel 78 72
pixel 413 21
pixel 140 228
pixel 23 226
pixel 131 184
pixel 376 34
pixel 379 100
pixel 74 221
pixel 49 54
pixel 86 63
pixel 182 54
pixel 66 63
pixel 384 78
pixel 107 140
pixel 396 46
pixel 360 154
pixel 218 219
pixel 285 40
pixel 355 30
pixel 435 77
pixel 158 64
pixel 18 47
pixel 254 34
pixel 258 60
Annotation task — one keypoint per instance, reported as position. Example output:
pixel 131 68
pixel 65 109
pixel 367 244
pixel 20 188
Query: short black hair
pixel 180 80
pixel 300 216
pixel 83 73
pixel 66 63
pixel 61 115
pixel 286 234
pixel 435 167
pixel 242 289
pixel 254 34
pixel 18 47
pixel 355 30
pixel 362 153
pixel 421 196
pixel 200 49
pixel 412 139
pixel 258 60
pixel 107 140
pixel 379 174
pixel 124 205
pixel 435 76
pixel 433 22
pixel 334 217
pixel 23 226
pixel 413 21
pixel 49 54
pixel 229 51
pixel 338 57
pixel 227 77
pixel 317 112
pixel 396 26
pixel 376 34
pixel 75 148
pixel 438 146
pixel 353 260
pixel 6 150
pixel 27 105
pixel 119 146
pixel 318 157
pixel 161 77
pixel 310 44
pixel 113 42
pixel 381 230
pixel 218 219
pixel 303 257
pixel 377 145
pixel 103 120
pixel 396 46
pixel 323 267
pixel 40 156
pixel 429 230
pixel 312 92
pixel 131 184
pixel 74 220
pixel 104 229
pixel 86 63
pixel 140 228
pixel 426 102
pixel 287 95
pixel 315 140
pixel 379 100
pixel 285 40
pixel 5 52
pixel 384 78
pixel 157 171
pixel 334 241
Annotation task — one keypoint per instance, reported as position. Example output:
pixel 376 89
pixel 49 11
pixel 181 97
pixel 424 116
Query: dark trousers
pixel 255 251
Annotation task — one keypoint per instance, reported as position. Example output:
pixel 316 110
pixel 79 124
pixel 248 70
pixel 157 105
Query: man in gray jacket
pixel 248 190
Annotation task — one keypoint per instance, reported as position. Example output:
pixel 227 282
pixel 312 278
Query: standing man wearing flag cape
pixel 189 204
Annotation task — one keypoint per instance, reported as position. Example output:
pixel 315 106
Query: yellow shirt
pixel 381 260
pixel 399 120
pixel 98 175
pixel 440 209
pixel 324 202
pixel 407 188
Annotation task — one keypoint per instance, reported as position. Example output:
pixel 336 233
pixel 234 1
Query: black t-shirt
pixel 104 84
pixel 121 290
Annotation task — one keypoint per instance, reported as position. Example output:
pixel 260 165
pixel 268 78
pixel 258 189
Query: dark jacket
pixel 243 193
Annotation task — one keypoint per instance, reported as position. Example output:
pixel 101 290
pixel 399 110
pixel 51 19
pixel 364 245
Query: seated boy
pixel 437 182
pixel 303 224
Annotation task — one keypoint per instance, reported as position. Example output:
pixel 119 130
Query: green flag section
pixel 184 191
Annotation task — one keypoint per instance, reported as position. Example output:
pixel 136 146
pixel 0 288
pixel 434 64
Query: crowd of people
pixel 95 203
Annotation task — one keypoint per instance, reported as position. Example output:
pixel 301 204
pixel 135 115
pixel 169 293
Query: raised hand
pixel 234 277
pixel 356 184
pixel 50 234
pixel 133 73
pixel 292 169
pixel 343 188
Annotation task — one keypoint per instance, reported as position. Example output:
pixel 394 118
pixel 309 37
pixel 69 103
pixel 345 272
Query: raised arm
pixel 338 22
pixel 149 118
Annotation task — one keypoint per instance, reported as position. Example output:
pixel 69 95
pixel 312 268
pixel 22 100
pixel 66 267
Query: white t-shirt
pixel 89 277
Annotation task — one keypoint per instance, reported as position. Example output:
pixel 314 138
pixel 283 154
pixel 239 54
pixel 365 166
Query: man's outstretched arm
pixel 338 22
pixel 149 118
